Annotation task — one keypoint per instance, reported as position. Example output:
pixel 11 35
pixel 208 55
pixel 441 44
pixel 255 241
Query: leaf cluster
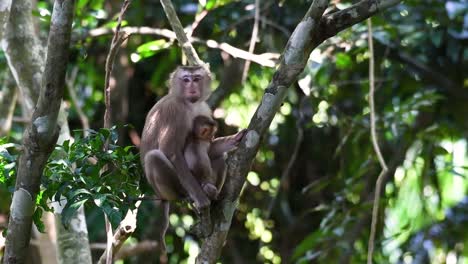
pixel 83 172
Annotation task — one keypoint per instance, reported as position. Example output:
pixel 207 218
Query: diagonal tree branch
pixel 184 43
pixel 293 61
pixel 40 137
pixel 335 22
pixel 309 33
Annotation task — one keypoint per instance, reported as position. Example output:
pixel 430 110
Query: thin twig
pixel 198 18
pixel 253 39
pixel 264 59
pixel 184 42
pixel 117 41
pixel 70 81
pixel 378 184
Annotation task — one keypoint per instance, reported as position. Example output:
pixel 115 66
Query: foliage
pixel 318 210
pixel 80 172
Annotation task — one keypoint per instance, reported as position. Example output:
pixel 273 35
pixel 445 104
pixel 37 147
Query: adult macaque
pixel 167 127
pixel 196 154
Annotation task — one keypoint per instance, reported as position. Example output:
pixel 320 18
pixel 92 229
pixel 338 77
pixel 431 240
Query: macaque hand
pixel 235 140
pixel 210 190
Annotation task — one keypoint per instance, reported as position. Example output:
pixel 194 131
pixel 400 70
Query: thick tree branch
pixel 265 59
pixel 40 137
pixel 293 62
pixel 333 23
pixel 305 38
pixel 22 45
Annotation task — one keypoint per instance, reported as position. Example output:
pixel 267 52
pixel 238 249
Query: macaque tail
pixel 165 223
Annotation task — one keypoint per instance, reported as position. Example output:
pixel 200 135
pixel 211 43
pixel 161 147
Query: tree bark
pixel 41 135
pixel 5 6
pixel 21 45
pixel 8 96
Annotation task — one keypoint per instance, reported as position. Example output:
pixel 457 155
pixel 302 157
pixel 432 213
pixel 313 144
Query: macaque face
pixel 206 132
pixel 191 84
pixel 204 128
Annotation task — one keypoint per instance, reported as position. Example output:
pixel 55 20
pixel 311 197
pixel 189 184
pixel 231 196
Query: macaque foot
pixel 203 228
pixel 210 190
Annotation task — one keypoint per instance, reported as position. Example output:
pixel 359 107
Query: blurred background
pixel 308 197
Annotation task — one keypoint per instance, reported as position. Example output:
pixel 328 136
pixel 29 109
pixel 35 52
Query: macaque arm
pixel 221 145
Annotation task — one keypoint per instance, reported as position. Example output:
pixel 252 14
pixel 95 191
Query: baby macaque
pixel 196 154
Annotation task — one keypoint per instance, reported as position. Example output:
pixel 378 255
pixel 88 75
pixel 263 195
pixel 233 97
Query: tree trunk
pixel 8 96
pixel 41 135
pixel 72 243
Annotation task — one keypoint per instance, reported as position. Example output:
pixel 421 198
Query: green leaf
pixel 343 61
pixel 70 210
pixel 114 215
pixel 99 199
pixel 150 48
pixel 308 243
pixel 438 150
pixel 37 218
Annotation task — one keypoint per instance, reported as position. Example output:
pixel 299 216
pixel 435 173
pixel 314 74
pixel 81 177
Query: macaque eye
pixel 196 78
pixel 186 79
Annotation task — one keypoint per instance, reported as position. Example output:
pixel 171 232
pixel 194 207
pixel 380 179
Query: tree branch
pixel 375 143
pixel 123 232
pixel 184 43
pixel 333 23
pixel 293 62
pixel 265 59
pixel 309 33
pixel 117 41
pixel 253 39
pixel 40 137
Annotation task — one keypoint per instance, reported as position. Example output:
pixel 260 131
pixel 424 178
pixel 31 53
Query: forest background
pixel 309 193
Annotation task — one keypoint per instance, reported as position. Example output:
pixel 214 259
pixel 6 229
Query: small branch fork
pixel 375 143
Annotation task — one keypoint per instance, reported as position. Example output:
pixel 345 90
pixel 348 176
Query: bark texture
pixel 5 6
pixel 40 137
pixel 309 33
pixel 8 96
pixel 24 52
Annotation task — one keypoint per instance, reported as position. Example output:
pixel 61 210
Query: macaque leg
pixel 161 175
